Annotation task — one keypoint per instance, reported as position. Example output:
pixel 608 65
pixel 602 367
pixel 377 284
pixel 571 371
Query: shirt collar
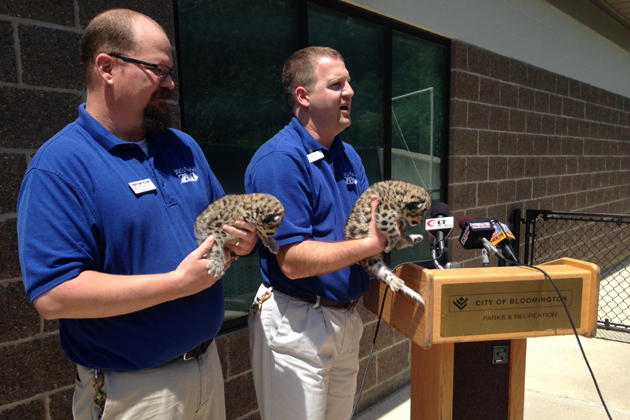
pixel 311 145
pixel 103 136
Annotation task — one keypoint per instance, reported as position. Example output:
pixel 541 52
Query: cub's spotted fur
pixel 397 201
pixel 263 210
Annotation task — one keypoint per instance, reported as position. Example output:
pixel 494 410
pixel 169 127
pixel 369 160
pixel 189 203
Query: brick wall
pixel 523 137
pixel 41 86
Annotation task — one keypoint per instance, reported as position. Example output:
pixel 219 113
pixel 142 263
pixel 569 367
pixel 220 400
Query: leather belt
pixel 196 352
pixel 322 302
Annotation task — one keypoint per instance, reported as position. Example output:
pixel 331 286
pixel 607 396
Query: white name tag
pixel 142 186
pixel 315 156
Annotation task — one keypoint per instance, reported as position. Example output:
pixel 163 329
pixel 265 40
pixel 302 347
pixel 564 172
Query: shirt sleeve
pixel 56 239
pixel 285 177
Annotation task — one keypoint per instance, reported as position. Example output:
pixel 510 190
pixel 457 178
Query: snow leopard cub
pixel 397 201
pixel 263 210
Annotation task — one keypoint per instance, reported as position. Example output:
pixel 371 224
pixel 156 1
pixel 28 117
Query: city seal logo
pixel 461 303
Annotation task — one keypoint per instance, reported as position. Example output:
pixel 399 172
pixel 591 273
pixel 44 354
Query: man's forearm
pixel 312 258
pixel 93 294
pixel 98 295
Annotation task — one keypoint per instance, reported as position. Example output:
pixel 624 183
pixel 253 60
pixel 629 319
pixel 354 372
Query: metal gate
pixel 602 239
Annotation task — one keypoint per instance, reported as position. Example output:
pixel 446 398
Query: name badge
pixel 315 156
pixel 142 186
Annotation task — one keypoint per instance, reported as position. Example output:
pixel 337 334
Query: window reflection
pixel 232 53
pixel 417 123
pixel 361 45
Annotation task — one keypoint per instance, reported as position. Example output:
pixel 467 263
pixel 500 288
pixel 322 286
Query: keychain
pixel 256 306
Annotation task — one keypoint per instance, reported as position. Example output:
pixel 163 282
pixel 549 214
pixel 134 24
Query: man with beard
pixel 106 242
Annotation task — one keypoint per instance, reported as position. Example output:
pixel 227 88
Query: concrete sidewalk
pixel 558 384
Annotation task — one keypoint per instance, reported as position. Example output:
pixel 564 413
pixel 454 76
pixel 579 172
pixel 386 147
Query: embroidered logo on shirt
pixel 350 178
pixel 186 175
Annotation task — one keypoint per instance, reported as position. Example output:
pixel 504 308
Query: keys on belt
pixel 259 302
pixel 315 300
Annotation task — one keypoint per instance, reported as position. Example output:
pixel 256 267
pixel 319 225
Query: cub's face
pixel 417 204
pixel 271 213
pixel 270 223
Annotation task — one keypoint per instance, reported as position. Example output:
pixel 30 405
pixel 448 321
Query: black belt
pixel 322 302
pixel 196 352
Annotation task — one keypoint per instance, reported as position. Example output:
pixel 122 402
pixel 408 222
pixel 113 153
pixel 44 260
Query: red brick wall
pixel 524 138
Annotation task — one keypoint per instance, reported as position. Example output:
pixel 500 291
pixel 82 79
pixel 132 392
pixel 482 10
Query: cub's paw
pixel 390 245
pixel 396 284
pixel 404 242
pixel 215 269
pixel 415 238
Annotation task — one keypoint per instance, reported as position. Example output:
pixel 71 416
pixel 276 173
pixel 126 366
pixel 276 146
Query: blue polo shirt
pixel 77 211
pixel 318 187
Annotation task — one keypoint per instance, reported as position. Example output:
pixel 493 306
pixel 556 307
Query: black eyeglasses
pixel 161 71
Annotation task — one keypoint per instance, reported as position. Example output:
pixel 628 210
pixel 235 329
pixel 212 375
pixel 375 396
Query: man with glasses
pixel 106 242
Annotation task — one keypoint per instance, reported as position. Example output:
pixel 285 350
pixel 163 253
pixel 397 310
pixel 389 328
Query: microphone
pixel 474 232
pixel 463 220
pixel 440 224
pixel 487 234
pixel 502 237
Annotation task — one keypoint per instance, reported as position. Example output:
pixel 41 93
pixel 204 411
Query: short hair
pixel 111 31
pixel 299 69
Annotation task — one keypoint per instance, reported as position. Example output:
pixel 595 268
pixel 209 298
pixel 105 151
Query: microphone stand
pixel 434 256
pixel 485 258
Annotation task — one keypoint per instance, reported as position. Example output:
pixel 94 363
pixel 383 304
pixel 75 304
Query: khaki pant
pixel 305 359
pixel 180 390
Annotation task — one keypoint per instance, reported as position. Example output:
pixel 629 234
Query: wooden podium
pixel 469 343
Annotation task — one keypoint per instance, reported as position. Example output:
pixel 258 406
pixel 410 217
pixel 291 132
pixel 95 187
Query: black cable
pixel 601 397
pixel 421 261
pixel 378 324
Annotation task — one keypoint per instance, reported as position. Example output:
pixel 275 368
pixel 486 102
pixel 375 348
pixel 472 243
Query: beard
pixel 157 116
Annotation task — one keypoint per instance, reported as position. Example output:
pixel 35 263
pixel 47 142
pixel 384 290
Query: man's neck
pixel 119 126
pixel 320 136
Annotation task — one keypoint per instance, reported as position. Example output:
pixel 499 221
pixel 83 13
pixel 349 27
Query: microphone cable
pixel 601 397
pixel 378 324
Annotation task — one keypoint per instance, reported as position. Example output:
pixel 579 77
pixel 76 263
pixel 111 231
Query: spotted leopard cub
pixel 263 210
pixel 397 201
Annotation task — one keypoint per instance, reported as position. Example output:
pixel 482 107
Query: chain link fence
pixel 602 239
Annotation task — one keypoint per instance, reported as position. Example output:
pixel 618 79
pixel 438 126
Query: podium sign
pixel 509 307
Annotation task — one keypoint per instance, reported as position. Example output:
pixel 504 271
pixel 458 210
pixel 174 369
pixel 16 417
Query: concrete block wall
pixel 41 86
pixel 523 137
